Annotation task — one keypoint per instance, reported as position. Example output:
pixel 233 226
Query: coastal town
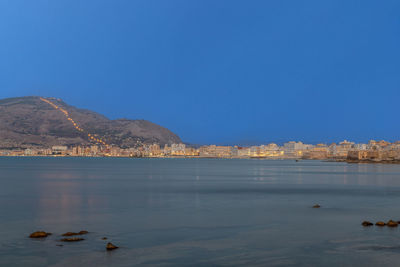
pixel 92 144
pixel 374 151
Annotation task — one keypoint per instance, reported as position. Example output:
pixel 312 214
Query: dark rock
pixel 380 223
pixel 111 246
pixel 317 206
pixel 73 233
pixel 72 239
pixel 367 223
pixel 70 234
pixel 39 234
pixel 104 238
pixel 392 223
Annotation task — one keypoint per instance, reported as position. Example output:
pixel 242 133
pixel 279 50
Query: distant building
pixel 59 150
pixel 178 149
pixel 341 150
pixel 320 151
pixel 243 152
pixel 293 149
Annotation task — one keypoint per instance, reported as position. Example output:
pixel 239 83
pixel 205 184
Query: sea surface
pixel 198 212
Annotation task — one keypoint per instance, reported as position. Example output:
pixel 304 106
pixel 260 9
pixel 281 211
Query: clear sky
pixel 217 71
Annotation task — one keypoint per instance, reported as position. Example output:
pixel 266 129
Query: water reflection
pixel 207 211
pixel 65 196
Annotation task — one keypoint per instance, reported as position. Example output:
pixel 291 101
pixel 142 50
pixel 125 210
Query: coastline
pixel 369 161
pixel 349 161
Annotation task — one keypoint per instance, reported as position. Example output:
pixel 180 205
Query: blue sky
pixel 214 71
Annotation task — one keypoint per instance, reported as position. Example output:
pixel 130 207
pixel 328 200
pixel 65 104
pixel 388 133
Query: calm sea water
pixel 198 212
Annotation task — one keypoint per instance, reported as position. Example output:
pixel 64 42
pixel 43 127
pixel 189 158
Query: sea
pixel 198 212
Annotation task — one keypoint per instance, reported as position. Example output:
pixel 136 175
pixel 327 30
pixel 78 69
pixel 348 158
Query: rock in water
pixel 380 223
pixel 69 234
pixel 317 206
pixel 39 234
pixel 104 238
pixel 111 246
pixel 392 223
pixel 367 223
pixel 72 239
pixel 73 233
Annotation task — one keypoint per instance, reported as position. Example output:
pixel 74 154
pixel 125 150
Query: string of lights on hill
pixel 91 137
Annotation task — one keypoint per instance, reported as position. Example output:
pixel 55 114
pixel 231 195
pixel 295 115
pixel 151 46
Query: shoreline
pixel 369 161
pixel 349 161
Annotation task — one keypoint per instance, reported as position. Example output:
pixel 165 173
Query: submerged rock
pixel 72 239
pixel 111 246
pixel 317 206
pixel 39 234
pixel 70 234
pixel 73 233
pixel 380 223
pixel 392 223
pixel 367 223
pixel 104 238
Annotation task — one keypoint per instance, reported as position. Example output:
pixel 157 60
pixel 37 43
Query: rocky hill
pixel 31 122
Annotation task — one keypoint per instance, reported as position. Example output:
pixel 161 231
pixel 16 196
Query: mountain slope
pixel 31 122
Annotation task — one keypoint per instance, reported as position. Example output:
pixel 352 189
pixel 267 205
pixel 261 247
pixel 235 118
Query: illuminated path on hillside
pixel 77 127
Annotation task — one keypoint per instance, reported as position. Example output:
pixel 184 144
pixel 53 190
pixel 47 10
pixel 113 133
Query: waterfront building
pixel 28 152
pixel 207 151
pixel 223 151
pixel 243 152
pixel 341 150
pixel 191 152
pixel 155 150
pixel 59 150
pixel 235 151
pixel 94 150
pixel 293 149
pixel 167 150
pixel 178 149
pixel 360 147
pixel 320 151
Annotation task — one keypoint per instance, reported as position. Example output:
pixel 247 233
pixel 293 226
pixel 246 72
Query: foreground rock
pixel 317 206
pixel 111 246
pixel 367 223
pixel 380 224
pixel 72 239
pixel 39 234
pixel 73 233
pixel 392 223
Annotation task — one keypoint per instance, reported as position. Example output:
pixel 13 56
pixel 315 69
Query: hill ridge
pixel 28 122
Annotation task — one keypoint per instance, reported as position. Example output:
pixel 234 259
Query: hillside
pixel 31 122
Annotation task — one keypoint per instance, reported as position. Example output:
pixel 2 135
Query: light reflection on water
pixel 198 212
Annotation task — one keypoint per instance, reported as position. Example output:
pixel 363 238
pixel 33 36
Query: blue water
pixel 198 212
